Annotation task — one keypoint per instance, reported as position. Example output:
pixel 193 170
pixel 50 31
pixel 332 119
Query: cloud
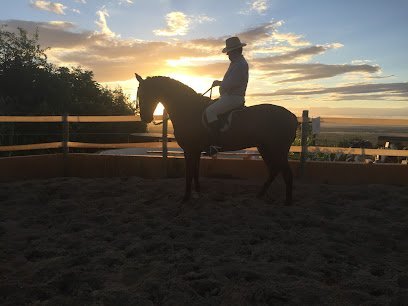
pixel 259 6
pixel 303 54
pixel 55 7
pixel 290 38
pixel 364 112
pixel 177 24
pixel 81 1
pixel 110 57
pixel 63 25
pixel 322 71
pixel 204 18
pixel 125 2
pixel 292 66
pixel 113 58
pixel 266 38
pixel 54 34
pixel 307 71
pixel 351 92
pixel 261 32
pixel 102 24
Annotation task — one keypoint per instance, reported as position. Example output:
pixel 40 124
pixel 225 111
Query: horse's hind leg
pixel 288 177
pixel 192 160
pixel 189 175
pixel 272 169
pixel 272 175
pixel 277 163
pixel 196 177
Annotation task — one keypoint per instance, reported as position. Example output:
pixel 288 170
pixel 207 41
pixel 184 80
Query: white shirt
pixel 235 80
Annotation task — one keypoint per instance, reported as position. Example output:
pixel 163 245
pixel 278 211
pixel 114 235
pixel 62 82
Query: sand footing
pixel 129 241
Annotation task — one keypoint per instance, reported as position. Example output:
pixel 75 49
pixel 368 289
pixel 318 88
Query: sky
pixel 334 58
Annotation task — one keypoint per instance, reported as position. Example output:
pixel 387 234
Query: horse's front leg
pixel 196 158
pixel 188 158
pixel 192 161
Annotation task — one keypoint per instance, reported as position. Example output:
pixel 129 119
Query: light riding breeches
pixel 223 105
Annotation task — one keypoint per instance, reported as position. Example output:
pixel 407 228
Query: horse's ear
pixel 139 78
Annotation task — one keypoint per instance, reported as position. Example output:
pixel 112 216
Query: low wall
pixel 356 173
pixel 86 165
pixel 31 167
pixel 92 165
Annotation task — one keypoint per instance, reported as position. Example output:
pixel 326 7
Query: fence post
pixel 303 141
pixel 164 136
pixel 65 140
pixel 11 141
pixel 165 140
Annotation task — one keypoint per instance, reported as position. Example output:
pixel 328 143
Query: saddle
pixel 224 120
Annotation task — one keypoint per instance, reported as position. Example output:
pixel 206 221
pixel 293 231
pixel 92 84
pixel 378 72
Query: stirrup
pixel 212 150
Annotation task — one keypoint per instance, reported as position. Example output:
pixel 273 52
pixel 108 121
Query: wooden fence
pixel 303 149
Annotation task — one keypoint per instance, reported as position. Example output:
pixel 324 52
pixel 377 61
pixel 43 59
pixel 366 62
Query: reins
pixel 208 90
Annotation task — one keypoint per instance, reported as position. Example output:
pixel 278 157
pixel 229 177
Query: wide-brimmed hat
pixel 232 43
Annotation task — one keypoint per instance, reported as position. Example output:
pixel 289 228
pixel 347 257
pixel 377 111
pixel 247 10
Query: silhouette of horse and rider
pixel 197 125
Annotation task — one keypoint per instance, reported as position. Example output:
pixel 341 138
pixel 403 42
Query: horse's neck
pixel 183 108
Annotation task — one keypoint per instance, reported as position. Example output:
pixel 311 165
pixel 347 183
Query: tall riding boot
pixel 214 132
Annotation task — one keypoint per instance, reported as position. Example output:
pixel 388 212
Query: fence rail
pixel 303 149
pixel 31 118
pixel 358 151
pixel 73 119
pixel 34 146
pixel 132 118
pixel 365 121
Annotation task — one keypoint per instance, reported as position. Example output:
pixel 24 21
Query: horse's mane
pixel 175 85
pixel 179 88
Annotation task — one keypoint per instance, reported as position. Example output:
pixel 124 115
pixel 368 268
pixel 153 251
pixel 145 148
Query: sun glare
pixel 159 109
pixel 198 83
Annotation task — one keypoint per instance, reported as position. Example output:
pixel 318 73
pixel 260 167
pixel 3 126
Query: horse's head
pixel 148 99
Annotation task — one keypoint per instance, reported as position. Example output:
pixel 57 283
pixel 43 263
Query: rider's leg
pixel 223 105
pixel 214 128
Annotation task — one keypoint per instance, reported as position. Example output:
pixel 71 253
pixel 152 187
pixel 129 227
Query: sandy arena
pixel 127 241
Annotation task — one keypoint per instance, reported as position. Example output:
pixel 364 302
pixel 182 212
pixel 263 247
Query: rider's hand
pixel 216 83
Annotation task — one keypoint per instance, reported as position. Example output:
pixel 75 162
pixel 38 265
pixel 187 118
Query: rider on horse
pixel 232 87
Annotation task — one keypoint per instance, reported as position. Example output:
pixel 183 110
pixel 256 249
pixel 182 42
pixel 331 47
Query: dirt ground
pixel 128 241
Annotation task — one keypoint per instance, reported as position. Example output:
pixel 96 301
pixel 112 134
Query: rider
pixel 232 87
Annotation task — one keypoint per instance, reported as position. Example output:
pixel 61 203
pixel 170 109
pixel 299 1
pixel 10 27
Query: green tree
pixel 30 85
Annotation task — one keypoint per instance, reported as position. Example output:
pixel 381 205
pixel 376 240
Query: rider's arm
pixel 236 77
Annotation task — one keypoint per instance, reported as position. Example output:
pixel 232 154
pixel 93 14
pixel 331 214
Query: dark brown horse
pixel 270 128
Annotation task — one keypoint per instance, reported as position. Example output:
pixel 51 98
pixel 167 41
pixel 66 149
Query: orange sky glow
pixel 333 57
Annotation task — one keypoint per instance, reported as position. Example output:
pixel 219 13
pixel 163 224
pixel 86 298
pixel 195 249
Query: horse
pixel 268 127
